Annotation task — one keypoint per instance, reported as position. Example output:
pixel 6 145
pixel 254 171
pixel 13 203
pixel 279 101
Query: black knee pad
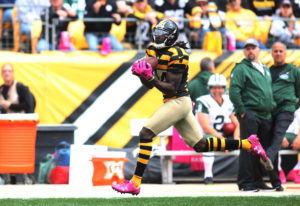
pixel 146 134
pixel 201 146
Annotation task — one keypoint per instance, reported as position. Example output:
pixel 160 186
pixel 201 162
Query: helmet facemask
pixel 160 38
pixel 165 34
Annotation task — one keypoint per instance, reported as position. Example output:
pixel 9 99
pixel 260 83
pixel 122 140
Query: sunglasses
pixel 202 3
pixel 286 6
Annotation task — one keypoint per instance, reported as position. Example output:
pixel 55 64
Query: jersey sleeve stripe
pixel 179 51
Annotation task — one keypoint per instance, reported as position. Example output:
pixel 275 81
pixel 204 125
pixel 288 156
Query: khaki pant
pixel 178 113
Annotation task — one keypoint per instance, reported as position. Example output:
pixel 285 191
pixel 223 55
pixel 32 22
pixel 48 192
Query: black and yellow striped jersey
pixel 172 59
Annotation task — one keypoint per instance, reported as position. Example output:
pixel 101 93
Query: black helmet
pixel 165 33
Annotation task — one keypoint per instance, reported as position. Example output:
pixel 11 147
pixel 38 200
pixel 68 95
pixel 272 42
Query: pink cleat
pixel 126 187
pixel 294 176
pixel 257 149
pixel 282 177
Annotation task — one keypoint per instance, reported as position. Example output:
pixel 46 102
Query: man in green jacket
pixel 198 86
pixel 286 90
pixel 252 97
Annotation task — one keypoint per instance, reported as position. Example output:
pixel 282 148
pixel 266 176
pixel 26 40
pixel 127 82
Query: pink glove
pixel 134 68
pixel 144 70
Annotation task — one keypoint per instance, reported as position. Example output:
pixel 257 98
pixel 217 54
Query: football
pixel 152 61
pixel 228 129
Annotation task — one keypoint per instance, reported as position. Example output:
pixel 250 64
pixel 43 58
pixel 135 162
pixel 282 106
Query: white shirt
pixel 295 125
pixel 259 66
pixel 218 114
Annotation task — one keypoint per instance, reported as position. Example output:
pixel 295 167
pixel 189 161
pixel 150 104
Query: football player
pixel 212 111
pixel 170 78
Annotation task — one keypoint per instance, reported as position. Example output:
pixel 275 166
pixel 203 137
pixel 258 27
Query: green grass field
pixel 172 201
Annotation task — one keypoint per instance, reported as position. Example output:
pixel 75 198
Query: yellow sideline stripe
pixel 119 134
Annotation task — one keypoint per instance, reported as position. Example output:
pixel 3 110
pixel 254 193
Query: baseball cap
pixel 286 2
pixel 252 41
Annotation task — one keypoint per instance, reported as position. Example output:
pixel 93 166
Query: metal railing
pixel 51 26
pixel 139 43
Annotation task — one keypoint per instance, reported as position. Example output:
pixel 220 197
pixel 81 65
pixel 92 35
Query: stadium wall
pixel 98 94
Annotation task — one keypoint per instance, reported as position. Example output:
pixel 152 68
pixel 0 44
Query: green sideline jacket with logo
pixel 286 89
pixel 250 90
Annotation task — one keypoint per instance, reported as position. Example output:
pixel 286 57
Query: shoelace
pixel 125 182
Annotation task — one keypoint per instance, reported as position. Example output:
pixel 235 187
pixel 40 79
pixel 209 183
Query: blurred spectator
pixel 284 28
pixel 28 11
pixel 29 14
pixel 264 8
pixel 124 6
pixel 7 12
pixel 291 141
pixel 70 6
pixel 176 10
pixel 296 8
pixel 148 17
pixel 6 18
pixel 243 23
pixel 74 8
pixel 223 4
pixel 95 31
pixel 56 12
pixel 211 20
pixel 15 97
pixel 198 86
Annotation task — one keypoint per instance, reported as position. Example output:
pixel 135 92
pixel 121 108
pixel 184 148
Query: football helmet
pixel 165 34
pixel 217 80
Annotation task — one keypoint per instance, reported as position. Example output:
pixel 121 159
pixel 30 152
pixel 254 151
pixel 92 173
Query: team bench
pixel 166 157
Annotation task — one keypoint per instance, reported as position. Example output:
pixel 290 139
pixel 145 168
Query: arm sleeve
pixel 201 107
pixel 25 101
pixel 89 8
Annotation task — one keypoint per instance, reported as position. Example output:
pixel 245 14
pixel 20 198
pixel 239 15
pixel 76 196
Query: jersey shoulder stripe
pixel 179 59
pixel 205 100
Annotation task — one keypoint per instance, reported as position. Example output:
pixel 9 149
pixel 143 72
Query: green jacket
pixel 286 89
pixel 198 86
pixel 251 91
